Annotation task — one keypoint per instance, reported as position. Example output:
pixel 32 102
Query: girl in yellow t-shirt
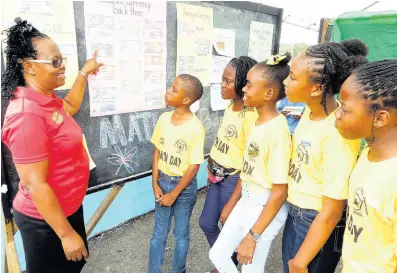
pixel 321 159
pixel 259 208
pixel 369 111
pixel 226 155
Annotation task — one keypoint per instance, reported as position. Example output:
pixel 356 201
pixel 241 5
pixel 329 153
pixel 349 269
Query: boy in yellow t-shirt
pixel 179 150
pixel 257 206
pixel 321 160
pixel 369 111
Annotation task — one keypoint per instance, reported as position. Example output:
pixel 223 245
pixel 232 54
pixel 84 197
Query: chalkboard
pixel 130 133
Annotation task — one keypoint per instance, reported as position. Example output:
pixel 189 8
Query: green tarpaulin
pixel 377 30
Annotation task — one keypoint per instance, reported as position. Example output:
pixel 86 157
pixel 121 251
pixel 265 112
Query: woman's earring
pixel 28 72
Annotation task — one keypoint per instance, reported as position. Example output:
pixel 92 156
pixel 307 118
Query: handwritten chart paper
pixel 260 40
pixel 218 65
pixel 217 103
pixel 55 19
pixel 194 41
pixel 131 41
pixel 224 41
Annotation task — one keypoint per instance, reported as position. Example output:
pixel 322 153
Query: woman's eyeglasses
pixel 56 63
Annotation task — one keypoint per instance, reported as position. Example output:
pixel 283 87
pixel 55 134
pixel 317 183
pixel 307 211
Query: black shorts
pixel 43 248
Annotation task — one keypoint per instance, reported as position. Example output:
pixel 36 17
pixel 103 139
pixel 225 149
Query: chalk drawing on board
pixel 123 159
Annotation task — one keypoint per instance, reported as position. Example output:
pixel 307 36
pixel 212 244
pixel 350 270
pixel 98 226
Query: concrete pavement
pixel 126 248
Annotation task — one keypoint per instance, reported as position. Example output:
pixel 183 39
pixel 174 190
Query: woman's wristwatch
pixel 254 235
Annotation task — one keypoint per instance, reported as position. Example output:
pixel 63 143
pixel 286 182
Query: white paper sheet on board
pixel 217 103
pixel 218 65
pixel 224 41
pixel 195 106
pixel 131 42
pixel 194 41
pixel 260 40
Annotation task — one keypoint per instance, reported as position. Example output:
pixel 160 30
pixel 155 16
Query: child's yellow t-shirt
pixel 321 163
pixel 370 243
pixel 228 149
pixel 179 146
pixel 266 156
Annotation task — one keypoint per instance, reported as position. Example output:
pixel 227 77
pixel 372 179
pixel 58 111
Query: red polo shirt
pixel 36 128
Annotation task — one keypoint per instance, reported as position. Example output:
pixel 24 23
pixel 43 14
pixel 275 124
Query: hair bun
pixel 23 25
pixel 278 60
pixel 356 47
pixel 347 66
pixel 287 58
pixel 18 20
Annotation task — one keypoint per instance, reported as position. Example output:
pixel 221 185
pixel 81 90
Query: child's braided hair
pixel 332 63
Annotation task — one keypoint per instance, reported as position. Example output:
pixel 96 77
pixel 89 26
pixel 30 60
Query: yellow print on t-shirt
pixel 230 141
pixel 253 152
pixel 229 133
pixel 173 160
pixel 179 145
pixel 303 157
pixel 359 210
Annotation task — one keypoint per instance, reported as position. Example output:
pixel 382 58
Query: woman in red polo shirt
pixel 47 149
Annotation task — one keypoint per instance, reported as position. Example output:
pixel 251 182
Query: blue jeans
pixel 181 210
pixel 295 231
pixel 217 196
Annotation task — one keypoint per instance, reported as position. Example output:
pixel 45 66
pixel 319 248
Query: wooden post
pixel 14 226
pixel 102 209
pixel 324 30
pixel 10 249
pixel 5 264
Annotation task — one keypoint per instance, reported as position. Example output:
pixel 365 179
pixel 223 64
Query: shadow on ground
pixel 125 249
